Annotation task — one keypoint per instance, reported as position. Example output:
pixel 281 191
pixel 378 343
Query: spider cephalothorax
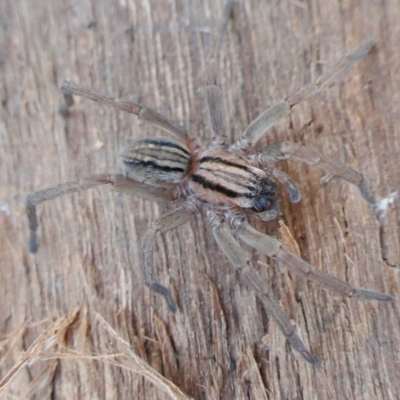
pixel 223 179
pixel 229 181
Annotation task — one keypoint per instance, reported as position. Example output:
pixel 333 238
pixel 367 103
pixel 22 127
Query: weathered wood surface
pixel 220 344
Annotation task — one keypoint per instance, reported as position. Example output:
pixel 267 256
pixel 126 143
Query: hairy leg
pixel 120 182
pixel 274 249
pixel 263 122
pixel 144 113
pixel 213 89
pixel 164 224
pixel 240 260
pixel 294 151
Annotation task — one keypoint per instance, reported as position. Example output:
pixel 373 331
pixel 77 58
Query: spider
pixel 228 181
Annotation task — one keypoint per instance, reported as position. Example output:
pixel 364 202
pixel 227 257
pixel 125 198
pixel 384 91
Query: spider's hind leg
pixel 144 113
pixel 120 183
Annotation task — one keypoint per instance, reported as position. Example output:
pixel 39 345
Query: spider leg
pixel 274 249
pixel 164 224
pixel 144 113
pixel 120 182
pixel 263 122
pixel 241 262
pixel 213 89
pixel 294 151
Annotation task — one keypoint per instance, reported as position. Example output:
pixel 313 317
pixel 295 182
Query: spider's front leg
pixel 294 151
pixel 258 127
pixel 240 260
pixel 274 249
pixel 164 224
pixel 120 183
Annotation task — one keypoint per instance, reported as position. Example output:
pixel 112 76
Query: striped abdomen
pixel 225 179
pixel 155 161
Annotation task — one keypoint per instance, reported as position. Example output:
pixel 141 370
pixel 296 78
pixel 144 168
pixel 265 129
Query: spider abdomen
pixel 155 161
pixel 225 179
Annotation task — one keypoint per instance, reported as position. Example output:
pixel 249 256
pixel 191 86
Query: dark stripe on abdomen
pixel 165 143
pixel 152 164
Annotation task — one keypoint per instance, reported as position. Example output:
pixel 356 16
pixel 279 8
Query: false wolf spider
pixel 227 180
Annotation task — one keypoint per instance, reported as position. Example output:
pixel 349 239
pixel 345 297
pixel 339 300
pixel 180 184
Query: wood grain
pixel 220 344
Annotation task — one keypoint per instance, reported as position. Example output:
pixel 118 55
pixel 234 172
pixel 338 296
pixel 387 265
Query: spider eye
pixel 263 203
pixel 269 187
pixel 265 200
